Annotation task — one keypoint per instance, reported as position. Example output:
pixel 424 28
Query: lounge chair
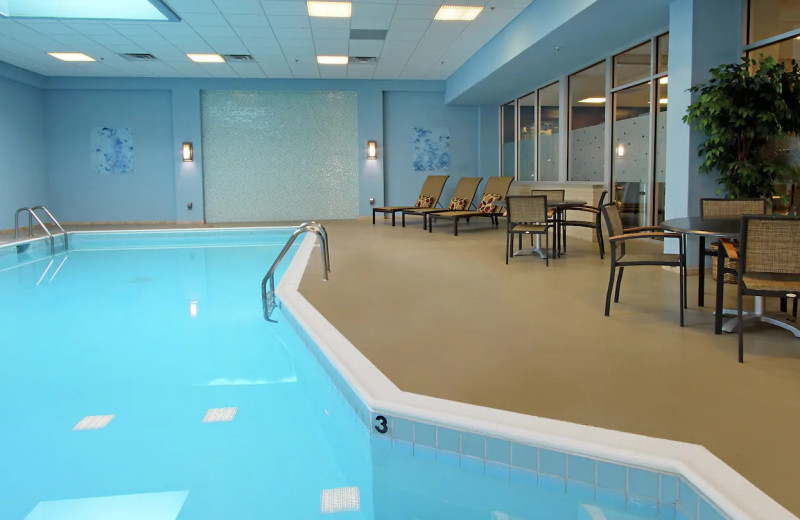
pixel 462 200
pixel 428 197
pixel 490 206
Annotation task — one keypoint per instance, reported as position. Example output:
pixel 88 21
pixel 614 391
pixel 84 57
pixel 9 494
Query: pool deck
pixel 444 316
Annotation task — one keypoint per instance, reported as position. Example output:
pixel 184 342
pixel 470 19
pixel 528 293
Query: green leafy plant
pixel 742 109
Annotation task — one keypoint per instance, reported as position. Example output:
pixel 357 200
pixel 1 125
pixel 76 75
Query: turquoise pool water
pixel 153 340
pixel 157 337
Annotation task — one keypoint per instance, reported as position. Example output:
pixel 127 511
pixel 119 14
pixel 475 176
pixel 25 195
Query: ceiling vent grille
pixel 361 60
pixel 238 58
pixel 138 56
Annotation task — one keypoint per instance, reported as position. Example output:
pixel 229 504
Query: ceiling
pixel 283 40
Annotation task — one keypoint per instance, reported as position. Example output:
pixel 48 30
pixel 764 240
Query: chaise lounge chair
pixel 493 194
pixel 462 200
pixel 428 197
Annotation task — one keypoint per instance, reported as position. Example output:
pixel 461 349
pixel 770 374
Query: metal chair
pixel 527 215
pixel 592 224
pixel 768 261
pixel 722 208
pixel 617 238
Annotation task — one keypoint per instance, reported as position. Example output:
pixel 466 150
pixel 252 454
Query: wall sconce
pixel 187 151
pixel 372 149
pixel 620 150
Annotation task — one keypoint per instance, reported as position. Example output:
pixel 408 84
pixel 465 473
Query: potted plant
pixel 744 109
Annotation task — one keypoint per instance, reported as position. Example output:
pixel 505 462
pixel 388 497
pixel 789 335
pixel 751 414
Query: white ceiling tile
pixel 291 33
pixel 239 6
pixel 255 32
pixel 198 19
pixel 51 27
pixel 416 11
pixel 131 29
pixel 365 47
pixel 296 43
pixel 216 30
pixel 373 11
pixel 331 47
pixel 361 71
pixel 409 24
pixel 247 20
pixel 331 34
pixel 341 24
pixel 247 70
pixel 403 35
pixel 182 7
pixel 92 28
pixel 284 8
pixel 370 23
pixel 223 45
pixel 261 43
pixel 299 55
pixel 309 71
pixel 288 21
pixel 273 66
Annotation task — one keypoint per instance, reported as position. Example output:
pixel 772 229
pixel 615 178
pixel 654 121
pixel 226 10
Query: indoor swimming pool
pixel 139 380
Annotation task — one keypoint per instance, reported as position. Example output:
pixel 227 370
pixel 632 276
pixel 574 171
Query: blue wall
pixel 23 179
pixel 405 110
pixel 83 196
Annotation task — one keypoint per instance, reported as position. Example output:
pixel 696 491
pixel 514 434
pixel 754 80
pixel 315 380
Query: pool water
pixel 156 338
pixel 199 409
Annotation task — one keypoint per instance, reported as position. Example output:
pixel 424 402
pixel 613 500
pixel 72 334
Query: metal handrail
pixel 268 297
pixel 32 215
pixel 58 225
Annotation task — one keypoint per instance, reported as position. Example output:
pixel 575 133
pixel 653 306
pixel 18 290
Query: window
pixel 508 140
pixel 587 124
pixel 632 65
pixel 548 133
pixel 527 138
pixel 631 152
pixel 768 18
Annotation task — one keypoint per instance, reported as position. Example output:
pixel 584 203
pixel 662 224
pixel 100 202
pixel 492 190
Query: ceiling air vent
pixel 357 60
pixel 138 56
pixel 237 58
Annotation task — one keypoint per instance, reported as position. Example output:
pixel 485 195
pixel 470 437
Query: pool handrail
pixel 32 215
pixel 268 297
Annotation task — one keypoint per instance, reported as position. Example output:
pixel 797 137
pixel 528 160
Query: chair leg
pixel 701 275
pixel 394 213
pixel 794 308
pixel 720 292
pixel 685 299
pixel 373 217
pixel 455 226
pixel 430 223
pixel 509 244
pixel 784 304
pixel 682 281
pixel 610 286
pixel 741 321
pixel 403 218
pixel 546 249
pixel 424 221
pixel 619 282
pixel 599 230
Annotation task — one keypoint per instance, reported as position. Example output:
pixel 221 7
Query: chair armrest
pixel 643 228
pixel 583 208
pixel 647 234
pixel 729 248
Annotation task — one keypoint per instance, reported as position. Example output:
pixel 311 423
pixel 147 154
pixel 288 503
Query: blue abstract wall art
pixel 112 151
pixel 431 149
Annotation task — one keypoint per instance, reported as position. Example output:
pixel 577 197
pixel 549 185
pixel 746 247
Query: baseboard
pixel 690 271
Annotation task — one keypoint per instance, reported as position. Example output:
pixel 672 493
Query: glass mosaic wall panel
pixel 279 155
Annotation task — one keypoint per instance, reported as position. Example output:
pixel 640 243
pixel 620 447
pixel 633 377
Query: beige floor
pixel 444 316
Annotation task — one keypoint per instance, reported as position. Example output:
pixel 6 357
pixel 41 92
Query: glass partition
pixel 527 141
pixel 631 152
pixel 660 149
pixel 508 140
pixel 632 65
pixel 587 123
pixel 548 133
pixel 662 53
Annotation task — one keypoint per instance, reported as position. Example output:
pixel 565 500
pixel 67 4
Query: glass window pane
pixel 548 133
pixel 527 143
pixel 770 18
pixel 661 149
pixel 631 153
pixel 632 65
pixel 662 53
pixel 587 123
pixel 508 124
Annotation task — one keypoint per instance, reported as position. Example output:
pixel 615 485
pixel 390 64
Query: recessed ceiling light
pixel 144 10
pixel 663 81
pixel 71 56
pixel 463 13
pixel 205 58
pixel 593 100
pixel 333 60
pixel 329 9
pixel 663 101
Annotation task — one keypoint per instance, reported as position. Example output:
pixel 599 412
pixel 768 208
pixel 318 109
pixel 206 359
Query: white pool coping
pixel 737 497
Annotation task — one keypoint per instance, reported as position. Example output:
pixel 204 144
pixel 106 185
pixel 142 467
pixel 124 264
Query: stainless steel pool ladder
pixel 32 215
pixel 268 296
